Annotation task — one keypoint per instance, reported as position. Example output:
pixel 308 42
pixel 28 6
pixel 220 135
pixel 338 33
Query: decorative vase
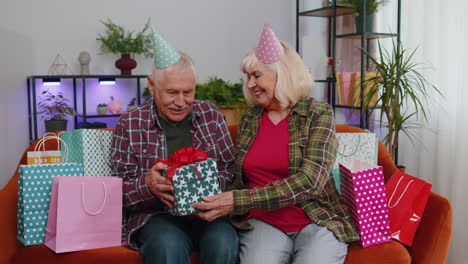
pixel 102 110
pixel 125 64
pixel 369 24
pixel 55 125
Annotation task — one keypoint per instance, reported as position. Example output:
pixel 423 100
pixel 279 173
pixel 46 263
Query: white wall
pixel 215 33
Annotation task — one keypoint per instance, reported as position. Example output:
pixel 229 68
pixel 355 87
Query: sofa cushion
pixel 392 252
pixel 41 254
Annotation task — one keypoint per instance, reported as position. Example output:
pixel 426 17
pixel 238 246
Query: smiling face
pixel 175 95
pixel 261 84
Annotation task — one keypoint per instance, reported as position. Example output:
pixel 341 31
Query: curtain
pixel 439 153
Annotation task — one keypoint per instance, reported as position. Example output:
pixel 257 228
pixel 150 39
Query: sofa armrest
pixel 8 207
pixel 432 240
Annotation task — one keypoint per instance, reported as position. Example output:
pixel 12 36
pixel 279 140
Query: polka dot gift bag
pixel 90 147
pixel 363 191
pixel 34 188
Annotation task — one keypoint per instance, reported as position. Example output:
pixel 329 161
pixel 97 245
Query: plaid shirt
pixel 312 151
pixel 139 141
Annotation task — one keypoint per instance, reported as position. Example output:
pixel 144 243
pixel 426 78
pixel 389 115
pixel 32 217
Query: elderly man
pixel 173 120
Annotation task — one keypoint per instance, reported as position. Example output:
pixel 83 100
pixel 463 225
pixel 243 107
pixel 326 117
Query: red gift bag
pixel 407 197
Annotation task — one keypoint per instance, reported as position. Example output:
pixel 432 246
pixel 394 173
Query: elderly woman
pixel 283 197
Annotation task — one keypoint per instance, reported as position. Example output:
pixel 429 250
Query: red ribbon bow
pixel 181 157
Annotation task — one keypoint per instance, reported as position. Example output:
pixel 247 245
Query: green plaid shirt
pixel 312 151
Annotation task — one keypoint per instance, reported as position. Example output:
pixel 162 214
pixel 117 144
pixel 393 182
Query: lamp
pixel 50 81
pixel 106 81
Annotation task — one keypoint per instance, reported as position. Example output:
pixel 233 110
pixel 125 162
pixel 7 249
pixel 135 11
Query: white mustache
pixel 177 108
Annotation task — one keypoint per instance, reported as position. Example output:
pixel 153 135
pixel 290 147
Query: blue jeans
pixel 266 244
pixel 171 239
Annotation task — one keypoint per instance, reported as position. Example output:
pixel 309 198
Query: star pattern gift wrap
pixel 34 188
pixel 193 175
pixel 189 189
pixel 91 147
pixel 363 191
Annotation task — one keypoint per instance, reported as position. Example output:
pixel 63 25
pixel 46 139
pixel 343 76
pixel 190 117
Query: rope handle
pixel 40 146
pixel 353 152
pixel 101 143
pixel 84 204
pixel 396 187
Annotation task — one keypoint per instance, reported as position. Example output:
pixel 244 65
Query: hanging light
pixel 50 81
pixel 106 81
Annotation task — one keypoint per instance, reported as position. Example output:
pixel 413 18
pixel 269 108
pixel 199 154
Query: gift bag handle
pixel 355 150
pixel 84 204
pixel 49 135
pixel 396 187
pixel 107 161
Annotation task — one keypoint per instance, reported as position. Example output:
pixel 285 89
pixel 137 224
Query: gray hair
pixel 184 64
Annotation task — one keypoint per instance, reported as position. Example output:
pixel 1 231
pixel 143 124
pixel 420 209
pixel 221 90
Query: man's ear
pixel 151 86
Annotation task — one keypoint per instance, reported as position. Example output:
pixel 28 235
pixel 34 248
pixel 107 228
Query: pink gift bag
pixel 85 213
pixel 363 190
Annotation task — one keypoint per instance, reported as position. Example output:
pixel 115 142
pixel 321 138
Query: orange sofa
pixel 430 246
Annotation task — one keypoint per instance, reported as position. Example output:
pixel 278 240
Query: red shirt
pixel 266 162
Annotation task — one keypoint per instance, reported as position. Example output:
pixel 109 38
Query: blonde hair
pixel 294 81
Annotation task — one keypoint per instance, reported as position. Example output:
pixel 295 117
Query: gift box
pixel 363 191
pixel 194 176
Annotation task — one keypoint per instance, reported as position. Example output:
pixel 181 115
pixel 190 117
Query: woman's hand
pixel 215 206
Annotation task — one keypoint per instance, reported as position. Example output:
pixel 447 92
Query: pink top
pixel 266 162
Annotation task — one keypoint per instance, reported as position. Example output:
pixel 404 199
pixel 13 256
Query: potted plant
pixel 54 108
pixel 227 96
pixel 403 92
pixel 118 40
pixel 102 109
pixel 131 105
pixel 372 6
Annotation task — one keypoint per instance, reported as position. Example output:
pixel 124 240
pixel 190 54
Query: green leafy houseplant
pixel 132 102
pixel 118 40
pixel 54 106
pixel 226 95
pixel 372 6
pixel 102 105
pixel 221 92
pixel 403 91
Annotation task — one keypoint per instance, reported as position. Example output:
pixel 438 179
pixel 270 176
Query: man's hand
pixel 215 206
pixel 160 186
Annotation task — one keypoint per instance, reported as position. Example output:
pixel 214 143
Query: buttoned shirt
pixel 312 152
pixel 139 141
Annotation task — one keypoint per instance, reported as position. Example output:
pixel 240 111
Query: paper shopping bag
pixel 91 147
pixel 407 198
pixel 363 191
pixel 34 187
pixel 42 156
pixel 354 146
pixel 85 213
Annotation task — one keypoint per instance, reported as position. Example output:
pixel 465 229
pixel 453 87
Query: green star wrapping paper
pixel 188 189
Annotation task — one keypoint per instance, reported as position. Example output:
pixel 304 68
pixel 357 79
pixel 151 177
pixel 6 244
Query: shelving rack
pixel 332 12
pixel 84 114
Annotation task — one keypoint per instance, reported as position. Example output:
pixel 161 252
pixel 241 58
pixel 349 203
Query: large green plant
pixel 118 40
pixel 220 92
pixel 54 106
pixel 403 91
pixel 372 6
